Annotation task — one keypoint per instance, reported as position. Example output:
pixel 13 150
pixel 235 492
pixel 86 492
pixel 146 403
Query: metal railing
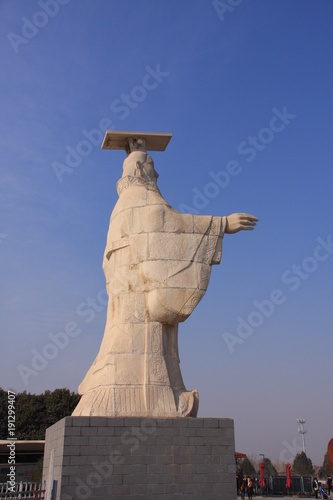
pixel 277 484
pixel 22 490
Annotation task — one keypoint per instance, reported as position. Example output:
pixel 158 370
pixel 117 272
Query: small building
pixel 27 454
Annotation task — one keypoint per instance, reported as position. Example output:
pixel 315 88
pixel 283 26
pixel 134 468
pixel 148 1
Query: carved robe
pixel 157 264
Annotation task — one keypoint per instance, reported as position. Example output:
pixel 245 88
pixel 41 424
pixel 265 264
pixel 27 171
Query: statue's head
pixel 140 164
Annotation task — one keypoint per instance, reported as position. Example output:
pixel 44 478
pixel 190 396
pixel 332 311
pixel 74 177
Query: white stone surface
pixel 157 265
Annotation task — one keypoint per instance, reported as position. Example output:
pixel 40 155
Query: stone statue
pixel 157 265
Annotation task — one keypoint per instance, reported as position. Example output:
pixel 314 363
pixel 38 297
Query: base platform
pixel 101 458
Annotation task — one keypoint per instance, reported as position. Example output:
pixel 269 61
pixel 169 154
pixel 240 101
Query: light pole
pixel 302 431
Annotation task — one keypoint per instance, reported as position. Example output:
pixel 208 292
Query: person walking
pixel 315 486
pixel 249 487
pixel 243 488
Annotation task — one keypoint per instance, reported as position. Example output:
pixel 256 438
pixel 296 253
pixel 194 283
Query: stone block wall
pixel 99 458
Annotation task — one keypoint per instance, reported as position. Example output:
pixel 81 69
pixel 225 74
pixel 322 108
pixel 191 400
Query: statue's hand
pixel 240 222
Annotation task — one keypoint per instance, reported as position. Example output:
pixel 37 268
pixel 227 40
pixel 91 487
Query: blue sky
pixel 247 95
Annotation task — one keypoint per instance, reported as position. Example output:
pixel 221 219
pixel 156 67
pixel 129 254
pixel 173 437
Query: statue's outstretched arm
pixel 240 222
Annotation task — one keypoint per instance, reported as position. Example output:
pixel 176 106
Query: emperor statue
pixel 157 264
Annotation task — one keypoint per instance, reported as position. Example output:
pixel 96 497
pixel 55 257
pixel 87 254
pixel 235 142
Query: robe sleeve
pixel 186 259
pixel 221 223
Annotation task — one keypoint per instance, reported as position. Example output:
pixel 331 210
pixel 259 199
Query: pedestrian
pixel 315 486
pixel 329 484
pixel 322 492
pixel 249 487
pixel 243 488
pixel 238 482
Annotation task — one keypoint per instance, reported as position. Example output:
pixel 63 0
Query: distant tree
pixel 36 412
pixel 325 470
pixel 38 472
pixel 254 461
pixel 302 465
pixel 269 469
pixel 3 414
pixel 59 404
pixel 246 468
pixel 30 416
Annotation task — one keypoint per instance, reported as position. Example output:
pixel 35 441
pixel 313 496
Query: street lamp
pixel 302 431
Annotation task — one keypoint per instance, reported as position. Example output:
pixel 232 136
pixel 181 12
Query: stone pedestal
pixel 101 458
